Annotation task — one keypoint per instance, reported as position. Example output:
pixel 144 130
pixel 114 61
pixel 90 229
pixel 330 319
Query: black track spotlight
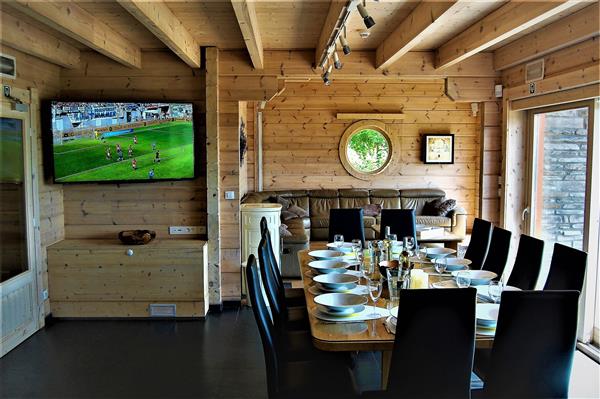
pixel 337 63
pixel 369 22
pixel 345 46
pixel 327 75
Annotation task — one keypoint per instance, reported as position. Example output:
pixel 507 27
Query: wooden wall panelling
pixel 44 77
pixel 251 155
pixel 300 143
pixel 565 32
pixel 358 65
pixel 491 161
pixel 213 193
pixel 101 211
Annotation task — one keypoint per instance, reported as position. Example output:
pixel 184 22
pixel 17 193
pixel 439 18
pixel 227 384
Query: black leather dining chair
pixel 479 244
pixel 348 222
pixel 567 269
pixel 401 222
pixel 528 263
pixel 293 297
pixel 287 378
pixel 534 345
pixel 434 344
pixel 283 319
pixel 497 255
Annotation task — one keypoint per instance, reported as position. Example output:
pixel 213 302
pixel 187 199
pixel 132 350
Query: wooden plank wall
pixel 491 160
pixel 251 154
pixel 45 77
pixel 301 136
pixel 102 210
pixel 229 171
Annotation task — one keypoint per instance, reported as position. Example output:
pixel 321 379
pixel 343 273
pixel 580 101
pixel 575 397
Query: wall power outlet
pixel 175 230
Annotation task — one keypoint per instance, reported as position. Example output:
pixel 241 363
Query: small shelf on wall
pixel 357 116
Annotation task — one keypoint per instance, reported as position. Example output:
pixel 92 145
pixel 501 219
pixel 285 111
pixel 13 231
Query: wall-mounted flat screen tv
pixel 122 141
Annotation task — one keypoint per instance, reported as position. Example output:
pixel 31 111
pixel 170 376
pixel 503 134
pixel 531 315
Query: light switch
pixel 229 195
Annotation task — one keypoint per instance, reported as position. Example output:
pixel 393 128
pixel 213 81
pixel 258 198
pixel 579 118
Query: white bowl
pixel 339 302
pixel 487 314
pixel 435 253
pixel 345 312
pixel 336 281
pixel 346 247
pixel 454 264
pixel 478 277
pixel 328 266
pixel 326 254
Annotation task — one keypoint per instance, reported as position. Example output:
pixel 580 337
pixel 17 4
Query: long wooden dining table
pixel 355 336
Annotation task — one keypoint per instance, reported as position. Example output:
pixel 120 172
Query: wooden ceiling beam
pixel 335 10
pixel 29 39
pixel 160 20
pixel 245 13
pixel 424 20
pixel 72 20
pixel 580 26
pixel 508 20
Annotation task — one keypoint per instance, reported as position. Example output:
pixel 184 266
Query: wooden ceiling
pixel 275 24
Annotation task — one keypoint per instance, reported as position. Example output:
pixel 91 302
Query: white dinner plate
pixel 345 312
pixel 345 247
pixel 487 314
pixel 339 302
pixel 479 277
pixel 328 266
pixel 358 290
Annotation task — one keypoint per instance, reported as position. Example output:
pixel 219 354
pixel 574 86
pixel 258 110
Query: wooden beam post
pixel 509 20
pixel 75 22
pixel 580 26
pixel 246 16
pixel 213 194
pixel 160 20
pixel 335 10
pixel 29 39
pixel 424 20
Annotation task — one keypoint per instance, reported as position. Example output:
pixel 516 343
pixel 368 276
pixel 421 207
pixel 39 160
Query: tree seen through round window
pixel 368 150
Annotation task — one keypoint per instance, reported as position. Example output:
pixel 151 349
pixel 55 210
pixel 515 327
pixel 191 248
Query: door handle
pixel 525 212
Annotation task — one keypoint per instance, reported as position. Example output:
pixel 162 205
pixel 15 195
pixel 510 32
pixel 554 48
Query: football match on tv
pixel 110 141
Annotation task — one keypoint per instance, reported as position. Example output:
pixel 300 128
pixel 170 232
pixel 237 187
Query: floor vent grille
pixel 163 310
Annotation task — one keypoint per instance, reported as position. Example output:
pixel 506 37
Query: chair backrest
pixel 528 263
pixel 265 326
pixel 274 296
pixel 567 269
pixel 434 344
pixel 534 345
pixel 402 222
pixel 264 230
pixel 348 222
pixel 497 255
pixel 480 242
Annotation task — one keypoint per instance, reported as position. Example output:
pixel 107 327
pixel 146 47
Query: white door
pixel 18 287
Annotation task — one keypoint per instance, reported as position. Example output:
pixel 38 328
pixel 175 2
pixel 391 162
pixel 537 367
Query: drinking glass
pixel 461 251
pixel 463 279
pixel 375 286
pixel 440 265
pixel 393 287
pixel 338 239
pixel 410 243
pixel 495 290
pixel 421 253
pixel 357 248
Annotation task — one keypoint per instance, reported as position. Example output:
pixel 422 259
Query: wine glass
pixel 495 290
pixel 410 243
pixel 421 253
pixel 440 265
pixel 463 279
pixel 375 286
pixel 338 240
pixel 356 248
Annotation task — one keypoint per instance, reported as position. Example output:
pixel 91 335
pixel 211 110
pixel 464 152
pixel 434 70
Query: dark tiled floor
pixel 220 357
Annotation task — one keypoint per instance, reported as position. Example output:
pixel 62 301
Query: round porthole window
pixel 365 149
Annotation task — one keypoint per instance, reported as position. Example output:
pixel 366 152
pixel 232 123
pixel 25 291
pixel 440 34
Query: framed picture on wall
pixel 438 148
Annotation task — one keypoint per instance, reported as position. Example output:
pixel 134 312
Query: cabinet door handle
pixel 525 212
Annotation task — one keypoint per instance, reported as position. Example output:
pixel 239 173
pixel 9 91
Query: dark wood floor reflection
pixel 220 357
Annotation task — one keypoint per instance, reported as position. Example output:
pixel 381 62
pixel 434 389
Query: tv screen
pixel 122 141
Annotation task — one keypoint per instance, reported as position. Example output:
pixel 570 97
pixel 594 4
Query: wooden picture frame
pixel 438 148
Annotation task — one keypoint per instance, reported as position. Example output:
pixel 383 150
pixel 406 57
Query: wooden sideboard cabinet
pixel 98 278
